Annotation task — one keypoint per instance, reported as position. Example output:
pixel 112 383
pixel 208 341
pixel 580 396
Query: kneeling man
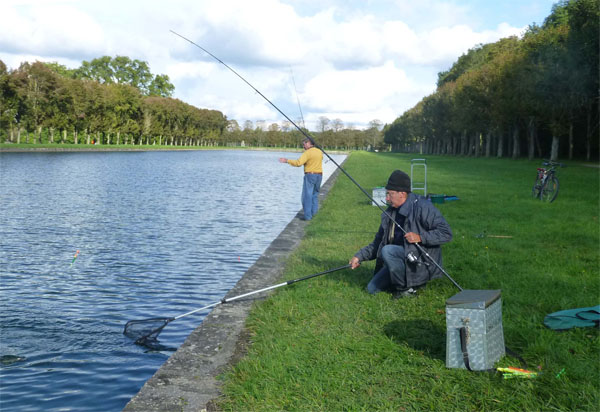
pixel 401 268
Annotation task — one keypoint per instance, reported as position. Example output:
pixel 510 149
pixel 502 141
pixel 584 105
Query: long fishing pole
pixel 147 330
pixel 312 140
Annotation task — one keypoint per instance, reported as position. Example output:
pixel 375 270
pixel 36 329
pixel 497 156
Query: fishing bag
pixel 574 318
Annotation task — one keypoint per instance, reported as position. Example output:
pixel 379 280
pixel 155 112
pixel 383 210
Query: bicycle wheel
pixel 550 189
pixel 537 187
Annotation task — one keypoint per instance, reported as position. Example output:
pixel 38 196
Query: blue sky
pixel 352 60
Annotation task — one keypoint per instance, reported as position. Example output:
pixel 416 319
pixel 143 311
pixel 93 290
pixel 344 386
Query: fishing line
pixel 300 107
pixel 312 140
pixel 297 98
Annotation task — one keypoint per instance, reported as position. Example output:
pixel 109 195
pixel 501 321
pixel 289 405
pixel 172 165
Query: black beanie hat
pixel 398 181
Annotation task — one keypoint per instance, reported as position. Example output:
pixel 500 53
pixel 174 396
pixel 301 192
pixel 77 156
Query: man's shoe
pixel 405 293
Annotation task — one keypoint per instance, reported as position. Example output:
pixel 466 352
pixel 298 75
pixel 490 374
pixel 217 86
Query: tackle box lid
pixel 474 299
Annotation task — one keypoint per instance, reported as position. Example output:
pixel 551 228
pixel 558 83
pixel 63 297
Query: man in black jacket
pixel 401 268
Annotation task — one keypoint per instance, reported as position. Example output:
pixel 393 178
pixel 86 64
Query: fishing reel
pixel 411 257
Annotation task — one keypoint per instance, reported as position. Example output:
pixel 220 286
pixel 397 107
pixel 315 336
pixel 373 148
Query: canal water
pixel 92 240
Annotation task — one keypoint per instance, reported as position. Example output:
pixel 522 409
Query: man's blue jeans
pixel 310 194
pixel 392 276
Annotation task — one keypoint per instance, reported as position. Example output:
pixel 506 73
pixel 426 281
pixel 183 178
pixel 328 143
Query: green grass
pixel 325 344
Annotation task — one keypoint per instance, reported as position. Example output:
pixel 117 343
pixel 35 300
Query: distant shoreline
pixel 5 149
pixel 88 149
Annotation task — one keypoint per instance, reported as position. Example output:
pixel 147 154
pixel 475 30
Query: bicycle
pixel 546 183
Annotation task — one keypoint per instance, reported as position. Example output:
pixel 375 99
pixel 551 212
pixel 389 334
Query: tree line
pixel 115 101
pixel 329 135
pixel 536 95
pixel 107 101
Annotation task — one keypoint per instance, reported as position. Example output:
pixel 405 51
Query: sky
pixel 352 60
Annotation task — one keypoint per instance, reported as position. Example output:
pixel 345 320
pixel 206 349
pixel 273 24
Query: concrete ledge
pixel 187 380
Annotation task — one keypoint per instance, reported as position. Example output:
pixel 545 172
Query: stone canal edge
pixel 187 381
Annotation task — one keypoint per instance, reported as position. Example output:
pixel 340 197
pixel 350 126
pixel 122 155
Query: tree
pixel 583 49
pixel 161 86
pixel 337 125
pixel 11 102
pixel 61 69
pixel 323 124
pixel 374 134
pixel 83 94
pixel 553 84
pixel 233 126
pixel 473 59
pixel 124 112
pixel 123 70
pixel 60 108
pixel 35 83
pixel 273 134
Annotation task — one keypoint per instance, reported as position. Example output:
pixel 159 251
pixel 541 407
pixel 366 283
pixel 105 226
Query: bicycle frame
pixel 546 177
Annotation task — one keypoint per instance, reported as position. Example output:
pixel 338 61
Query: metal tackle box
pixel 479 314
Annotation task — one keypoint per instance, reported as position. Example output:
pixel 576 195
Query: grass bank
pixel 325 344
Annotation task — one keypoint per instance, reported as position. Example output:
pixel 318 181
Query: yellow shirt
pixel 312 160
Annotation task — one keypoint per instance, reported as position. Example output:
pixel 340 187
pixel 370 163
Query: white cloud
pixel 352 43
pixel 400 40
pixel 446 44
pixel 355 90
pixel 48 30
pixel 257 32
pixel 190 70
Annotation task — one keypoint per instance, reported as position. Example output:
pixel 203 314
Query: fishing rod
pixel 146 331
pixel 312 140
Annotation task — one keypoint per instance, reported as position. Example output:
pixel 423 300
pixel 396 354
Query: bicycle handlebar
pixel 552 163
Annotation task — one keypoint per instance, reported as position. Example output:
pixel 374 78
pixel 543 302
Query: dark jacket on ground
pixel 423 218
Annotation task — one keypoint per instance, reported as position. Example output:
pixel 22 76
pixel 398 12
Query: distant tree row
pixel 330 135
pixel 518 96
pixel 102 102
pixel 118 101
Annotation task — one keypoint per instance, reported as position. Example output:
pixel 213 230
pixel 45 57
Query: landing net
pixel 146 330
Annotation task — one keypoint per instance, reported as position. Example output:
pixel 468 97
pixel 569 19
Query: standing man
pixel 312 159
pixel 401 268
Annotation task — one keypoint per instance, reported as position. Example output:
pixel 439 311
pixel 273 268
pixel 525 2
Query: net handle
pixel 142 340
pixel 289 282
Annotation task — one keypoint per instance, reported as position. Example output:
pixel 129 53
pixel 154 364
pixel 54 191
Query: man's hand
pixel 412 237
pixel 354 262
pixel 282 160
